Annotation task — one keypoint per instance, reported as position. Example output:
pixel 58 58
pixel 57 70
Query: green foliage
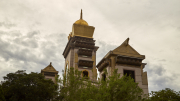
pixel 2 98
pixel 164 95
pixel 76 88
pixel 20 86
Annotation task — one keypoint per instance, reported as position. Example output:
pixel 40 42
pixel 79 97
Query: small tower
pixel 80 51
pixel 128 61
pixel 50 72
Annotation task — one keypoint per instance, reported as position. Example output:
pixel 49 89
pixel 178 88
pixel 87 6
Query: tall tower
pixel 80 51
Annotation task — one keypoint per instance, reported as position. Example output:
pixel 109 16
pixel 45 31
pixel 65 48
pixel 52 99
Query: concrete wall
pixel 138 75
pixel 67 60
pixel 50 77
pixel 75 62
pixel 108 71
pixel 72 60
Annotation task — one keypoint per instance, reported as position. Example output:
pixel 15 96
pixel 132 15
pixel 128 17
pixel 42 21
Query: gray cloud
pixel 163 60
pixel 155 69
pixel 33 33
pixel 104 48
pixel 30 50
pixel 7 24
pixel 158 77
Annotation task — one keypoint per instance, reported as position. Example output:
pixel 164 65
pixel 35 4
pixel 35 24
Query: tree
pixel 1 94
pixel 69 85
pixel 20 86
pixel 165 95
pixel 113 88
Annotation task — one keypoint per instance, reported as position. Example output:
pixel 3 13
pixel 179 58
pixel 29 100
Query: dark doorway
pixel 129 73
pixel 104 76
pixel 85 73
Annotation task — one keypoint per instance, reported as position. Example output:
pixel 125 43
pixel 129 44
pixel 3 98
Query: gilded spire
pixel 81 14
pixel 81 21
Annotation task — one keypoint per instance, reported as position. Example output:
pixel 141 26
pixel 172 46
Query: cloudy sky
pixel 34 33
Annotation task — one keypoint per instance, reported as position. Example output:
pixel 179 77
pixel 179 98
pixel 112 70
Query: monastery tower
pixel 80 51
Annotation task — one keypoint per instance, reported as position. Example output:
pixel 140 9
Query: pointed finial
pixel 126 42
pixel 50 63
pixel 81 14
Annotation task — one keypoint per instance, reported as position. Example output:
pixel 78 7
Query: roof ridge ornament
pixel 81 14
pixel 50 63
pixel 126 42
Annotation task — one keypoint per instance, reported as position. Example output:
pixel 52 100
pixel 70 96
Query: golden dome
pixel 81 21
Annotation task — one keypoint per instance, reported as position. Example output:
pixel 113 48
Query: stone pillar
pixel 113 63
pixel 94 66
pixel 76 60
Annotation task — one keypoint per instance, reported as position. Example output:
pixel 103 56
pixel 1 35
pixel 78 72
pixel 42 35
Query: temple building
pixel 80 53
pixel 49 72
pixel 128 61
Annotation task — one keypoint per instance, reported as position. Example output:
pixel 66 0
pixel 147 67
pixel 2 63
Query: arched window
pixel 85 73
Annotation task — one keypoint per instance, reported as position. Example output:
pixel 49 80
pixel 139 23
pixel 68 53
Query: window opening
pixel 84 56
pixel 47 78
pixel 49 74
pixel 104 76
pixel 129 73
pixel 85 73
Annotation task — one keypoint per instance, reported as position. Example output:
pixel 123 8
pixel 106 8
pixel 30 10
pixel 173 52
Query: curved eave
pixel 110 53
pixel 104 64
pixel 66 46
pixel 107 55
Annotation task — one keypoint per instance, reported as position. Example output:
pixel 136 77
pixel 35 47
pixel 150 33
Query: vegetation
pixel 2 98
pixel 112 88
pixel 20 86
pixel 164 95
